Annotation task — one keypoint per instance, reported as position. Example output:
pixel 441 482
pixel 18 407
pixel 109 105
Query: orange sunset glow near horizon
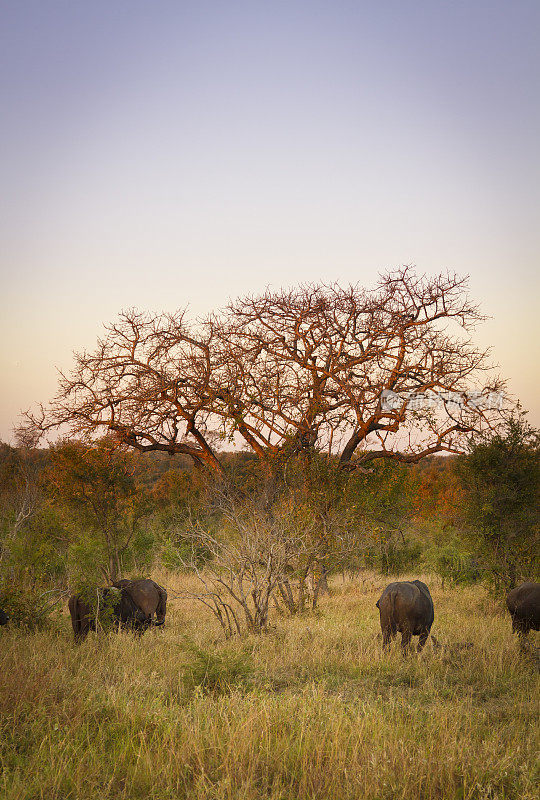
pixel 171 155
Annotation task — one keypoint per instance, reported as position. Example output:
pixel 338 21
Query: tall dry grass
pixel 311 710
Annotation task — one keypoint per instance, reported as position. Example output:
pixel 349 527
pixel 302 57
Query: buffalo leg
pixel 422 639
pixel 388 635
pixel 405 641
pixel 84 627
pixel 161 609
pixel 522 630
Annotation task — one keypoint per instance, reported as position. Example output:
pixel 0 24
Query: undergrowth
pixel 312 710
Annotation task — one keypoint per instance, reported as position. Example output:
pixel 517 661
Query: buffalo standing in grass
pixel 132 605
pixel 3 617
pixel 149 597
pixel 407 607
pixel 120 605
pixel 524 606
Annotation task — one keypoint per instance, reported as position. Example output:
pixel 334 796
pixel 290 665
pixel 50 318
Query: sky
pixel 165 154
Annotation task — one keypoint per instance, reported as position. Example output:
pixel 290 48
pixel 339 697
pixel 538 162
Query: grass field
pixel 311 710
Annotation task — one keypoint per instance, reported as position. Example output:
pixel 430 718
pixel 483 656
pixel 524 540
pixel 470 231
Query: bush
pixel 35 552
pixel 176 553
pixel 85 555
pixel 216 673
pixel 27 610
pixel 452 563
pixel 101 605
pixel 391 555
pixel 501 511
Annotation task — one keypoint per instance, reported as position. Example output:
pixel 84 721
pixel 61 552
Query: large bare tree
pixel 386 373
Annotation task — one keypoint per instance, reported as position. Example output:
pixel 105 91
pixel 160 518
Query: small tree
pixel 275 545
pixel 501 475
pixel 21 494
pixel 96 488
pixel 254 554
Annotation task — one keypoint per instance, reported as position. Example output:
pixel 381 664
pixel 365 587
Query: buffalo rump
pixel 523 603
pixel 149 597
pixel 407 607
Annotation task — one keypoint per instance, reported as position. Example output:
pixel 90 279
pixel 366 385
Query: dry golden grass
pixel 311 710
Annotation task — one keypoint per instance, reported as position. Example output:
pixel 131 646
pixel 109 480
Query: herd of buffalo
pixel 405 607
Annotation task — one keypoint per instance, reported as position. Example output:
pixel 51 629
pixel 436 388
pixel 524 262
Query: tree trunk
pixel 320 584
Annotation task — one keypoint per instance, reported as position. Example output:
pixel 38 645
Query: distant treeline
pixel 76 514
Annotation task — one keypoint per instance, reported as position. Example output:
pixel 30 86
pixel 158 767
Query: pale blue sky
pixel 163 154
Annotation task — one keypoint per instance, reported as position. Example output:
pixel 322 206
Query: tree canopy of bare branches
pixel 287 372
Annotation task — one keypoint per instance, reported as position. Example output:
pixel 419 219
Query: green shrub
pixel 176 553
pixel 37 553
pixel 501 508
pixel 85 555
pixel 27 610
pixel 101 605
pixel 392 555
pixel 216 672
pixel 453 564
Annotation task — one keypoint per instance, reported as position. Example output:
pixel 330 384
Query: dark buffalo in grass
pixel 407 607
pixel 121 607
pixel 122 610
pixel 131 603
pixel 3 617
pixel 149 597
pixel 524 606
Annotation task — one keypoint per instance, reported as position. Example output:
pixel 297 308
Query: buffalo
pixel 149 597
pixel 523 603
pixel 122 608
pixel 132 604
pixel 3 617
pixel 407 607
